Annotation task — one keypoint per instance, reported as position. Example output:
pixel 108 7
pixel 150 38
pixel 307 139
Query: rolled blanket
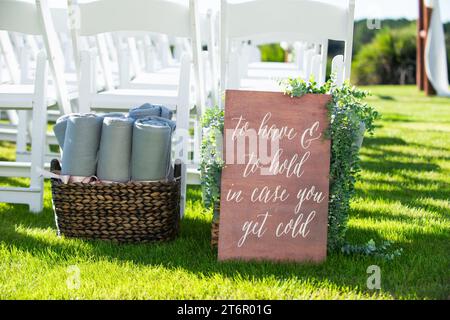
pixel 113 115
pixel 81 144
pixel 115 149
pixel 166 113
pixel 150 156
pixel 170 123
pixel 149 110
pixel 59 129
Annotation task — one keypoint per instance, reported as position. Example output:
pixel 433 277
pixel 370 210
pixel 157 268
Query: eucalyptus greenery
pixel 348 113
pixel 211 154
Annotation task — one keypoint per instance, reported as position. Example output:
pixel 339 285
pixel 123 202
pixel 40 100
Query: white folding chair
pixel 157 16
pixel 29 18
pixel 210 32
pixel 284 20
pixel 310 59
pixel 159 70
pixel 22 73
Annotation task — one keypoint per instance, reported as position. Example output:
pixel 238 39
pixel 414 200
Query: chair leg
pixel 182 132
pixel 197 140
pixel 181 149
pixel 22 134
pixel 87 81
pixel 38 133
pixel 36 204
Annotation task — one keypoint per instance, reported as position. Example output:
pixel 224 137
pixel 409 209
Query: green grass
pixel 402 196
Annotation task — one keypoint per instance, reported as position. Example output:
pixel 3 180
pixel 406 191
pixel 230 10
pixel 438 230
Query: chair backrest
pixel 160 16
pixel 156 16
pixel 34 18
pixel 286 20
pixel 20 16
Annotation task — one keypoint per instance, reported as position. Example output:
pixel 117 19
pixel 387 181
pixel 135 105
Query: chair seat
pixel 281 73
pixel 13 94
pixel 260 85
pixel 157 80
pixel 17 169
pixel 18 189
pixel 127 98
pixel 273 65
pixel 72 83
pixel 169 70
pixel 193 174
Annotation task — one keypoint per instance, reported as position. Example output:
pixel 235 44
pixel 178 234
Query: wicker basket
pixel 119 212
pixel 215 226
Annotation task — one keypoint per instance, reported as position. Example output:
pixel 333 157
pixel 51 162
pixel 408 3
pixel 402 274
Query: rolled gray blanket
pixel 81 144
pixel 150 156
pixel 115 149
pixel 59 129
pixel 149 110
pixel 170 123
pixel 113 115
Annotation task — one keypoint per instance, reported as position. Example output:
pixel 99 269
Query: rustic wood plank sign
pixel 274 187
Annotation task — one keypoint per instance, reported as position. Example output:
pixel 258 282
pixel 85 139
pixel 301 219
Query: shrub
pixel 389 59
pixel 272 52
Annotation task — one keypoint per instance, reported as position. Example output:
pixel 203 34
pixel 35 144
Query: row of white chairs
pixel 107 55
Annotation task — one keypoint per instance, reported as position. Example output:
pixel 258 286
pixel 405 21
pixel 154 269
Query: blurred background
pixel 384 40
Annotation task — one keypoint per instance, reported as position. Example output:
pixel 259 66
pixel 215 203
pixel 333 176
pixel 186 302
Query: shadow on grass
pixel 393 166
pixel 411 198
pixel 372 142
pixel 385 97
pixel 412 190
pixel 192 252
pixel 379 159
pixel 17 182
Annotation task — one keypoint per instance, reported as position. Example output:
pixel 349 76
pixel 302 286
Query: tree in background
pixel 272 52
pixel 388 59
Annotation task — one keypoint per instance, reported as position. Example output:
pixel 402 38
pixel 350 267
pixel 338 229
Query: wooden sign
pixel 274 187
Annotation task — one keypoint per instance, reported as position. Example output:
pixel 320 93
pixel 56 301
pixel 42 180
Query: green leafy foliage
pixel 272 52
pixel 389 59
pixel 370 248
pixel 211 153
pixel 347 113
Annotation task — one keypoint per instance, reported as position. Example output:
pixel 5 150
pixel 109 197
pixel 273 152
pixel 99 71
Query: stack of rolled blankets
pixel 117 147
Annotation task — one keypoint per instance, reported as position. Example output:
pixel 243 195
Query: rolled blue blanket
pixel 166 113
pixel 115 149
pixel 149 110
pixel 59 129
pixel 113 115
pixel 81 144
pixel 150 156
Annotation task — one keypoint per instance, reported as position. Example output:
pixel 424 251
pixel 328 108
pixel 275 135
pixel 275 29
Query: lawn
pixel 403 196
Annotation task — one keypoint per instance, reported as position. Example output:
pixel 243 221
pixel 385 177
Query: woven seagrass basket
pixel 215 226
pixel 119 212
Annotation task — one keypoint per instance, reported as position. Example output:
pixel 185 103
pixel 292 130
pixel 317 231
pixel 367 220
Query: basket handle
pixel 177 169
pixel 55 165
